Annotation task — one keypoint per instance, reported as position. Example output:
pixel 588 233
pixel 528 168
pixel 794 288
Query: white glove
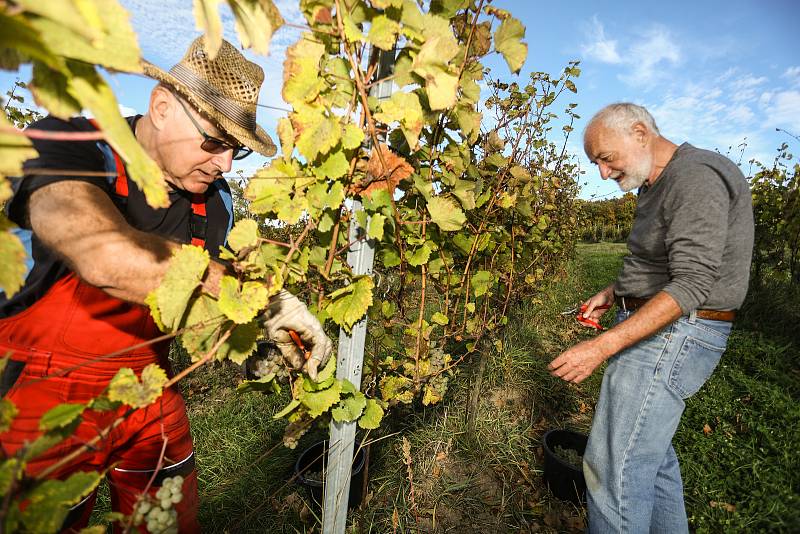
pixel 284 313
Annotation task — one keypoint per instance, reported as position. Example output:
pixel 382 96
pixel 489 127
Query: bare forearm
pixel 80 224
pixel 654 315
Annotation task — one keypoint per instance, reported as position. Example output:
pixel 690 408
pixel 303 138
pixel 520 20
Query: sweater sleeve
pixel 696 213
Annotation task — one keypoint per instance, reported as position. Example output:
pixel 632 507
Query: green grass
pixel 476 458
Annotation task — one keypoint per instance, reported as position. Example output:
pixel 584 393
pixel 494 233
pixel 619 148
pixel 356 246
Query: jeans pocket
pixel 693 366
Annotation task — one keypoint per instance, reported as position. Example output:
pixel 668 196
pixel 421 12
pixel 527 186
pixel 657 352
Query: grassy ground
pixel 475 462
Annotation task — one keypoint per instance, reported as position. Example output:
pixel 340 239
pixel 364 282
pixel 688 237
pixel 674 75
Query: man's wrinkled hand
pixel 577 363
pixel 284 313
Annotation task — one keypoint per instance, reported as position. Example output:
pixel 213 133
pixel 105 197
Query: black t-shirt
pixel 62 159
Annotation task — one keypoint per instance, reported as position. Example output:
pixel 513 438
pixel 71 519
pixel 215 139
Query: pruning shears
pixel 585 321
pixel 300 345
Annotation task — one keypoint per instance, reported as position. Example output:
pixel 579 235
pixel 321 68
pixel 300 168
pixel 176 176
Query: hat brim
pixel 257 140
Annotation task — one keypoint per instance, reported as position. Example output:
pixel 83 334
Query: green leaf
pixel 186 269
pixel 49 88
pixel 318 402
pixel 352 137
pixel 256 21
pixel 266 384
pixel 286 136
pixel 14 255
pixel 15 149
pixel 289 408
pixel 440 318
pixel 383 32
pixel 270 187
pixel 127 389
pixel 8 411
pixel 88 88
pixel 207 19
pixel 375 230
pixel 244 234
pixel 334 165
pixel 328 371
pixel 49 501
pixel 316 132
pixel 302 81
pixel 394 387
pixel 508 41
pixel 347 305
pixel 241 305
pixel 11 470
pixel 111 41
pixel 61 416
pixel 405 109
pixel 373 414
pixel 446 213
pixel 420 256
pixel 350 408
pixel 241 344
pixel 481 281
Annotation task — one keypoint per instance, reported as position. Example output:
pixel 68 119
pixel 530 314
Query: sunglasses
pixel 212 144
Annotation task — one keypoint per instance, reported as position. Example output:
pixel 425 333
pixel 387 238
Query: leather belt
pixel 632 303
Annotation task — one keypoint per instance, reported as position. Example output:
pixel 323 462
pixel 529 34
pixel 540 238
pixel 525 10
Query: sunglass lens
pixel 214 146
pixel 241 152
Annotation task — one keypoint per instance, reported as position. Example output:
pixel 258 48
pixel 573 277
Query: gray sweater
pixel 693 234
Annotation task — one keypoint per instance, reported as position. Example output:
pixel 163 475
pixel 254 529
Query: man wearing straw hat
pixel 98 249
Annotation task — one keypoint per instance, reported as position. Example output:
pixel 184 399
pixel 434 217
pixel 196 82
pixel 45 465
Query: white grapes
pixel 158 513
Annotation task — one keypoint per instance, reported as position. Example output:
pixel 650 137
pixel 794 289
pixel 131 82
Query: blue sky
pixel 713 73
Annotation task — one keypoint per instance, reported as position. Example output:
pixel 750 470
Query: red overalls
pixel 63 339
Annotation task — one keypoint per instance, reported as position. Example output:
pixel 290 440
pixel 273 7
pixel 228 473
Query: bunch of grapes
pixel 269 360
pixel 294 431
pixel 158 514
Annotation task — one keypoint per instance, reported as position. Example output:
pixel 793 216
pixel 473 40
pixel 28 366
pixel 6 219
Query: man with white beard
pixel 684 277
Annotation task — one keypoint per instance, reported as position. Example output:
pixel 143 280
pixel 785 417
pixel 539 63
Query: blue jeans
pixel 632 475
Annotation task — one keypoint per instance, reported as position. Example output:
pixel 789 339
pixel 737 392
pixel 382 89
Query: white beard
pixel 636 175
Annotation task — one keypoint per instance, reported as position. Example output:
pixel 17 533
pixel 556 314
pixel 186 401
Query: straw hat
pixel 224 89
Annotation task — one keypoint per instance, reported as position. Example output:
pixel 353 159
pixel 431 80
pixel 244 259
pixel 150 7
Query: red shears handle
pixel 585 321
pixel 299 342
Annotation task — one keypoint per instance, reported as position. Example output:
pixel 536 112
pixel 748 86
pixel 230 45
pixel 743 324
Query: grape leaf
pixel 384 175
pixel 405 109
pixel 508 41
pixel 375 229
pixel 316 132
pixel 383 32
pixel 481 281
pixel 373 414
pixel 301 71
pixel 286 136
pixel 289 408
pixel 207 20
pixel 446 213
pixel 49 501
pixel 186 269
pixel 49 88
pixel 8 411
pixel 241 305
pixel 352 137
pixel 334 165
pixel 347 305
pixel 318 402
pixel 440 318
pixel 270 187
pixel 14 150
pixel 420 256
pixel 61 416
pixel 349 408
pixel 256 21
pixel 394 387
pixel 127 389
pixel 11 470
pixel 13 268
pixel 244 234
pixel 266 384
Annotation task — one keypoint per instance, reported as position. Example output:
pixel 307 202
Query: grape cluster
pixel 294 431
pixel 158 514
pixel 269 360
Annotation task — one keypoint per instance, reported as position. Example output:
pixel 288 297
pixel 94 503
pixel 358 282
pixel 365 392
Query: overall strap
pixel 121 180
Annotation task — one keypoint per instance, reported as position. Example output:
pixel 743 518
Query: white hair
pixel 621 116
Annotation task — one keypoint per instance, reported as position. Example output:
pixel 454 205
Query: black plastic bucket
pixel 564 480
pixel 313 459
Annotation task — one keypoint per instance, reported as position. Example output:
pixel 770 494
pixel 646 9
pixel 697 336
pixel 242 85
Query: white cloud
pixel 792 74
pixel 649 57
pixel 127 111
pixel 600 48
pixel 746 87
pixel 645 59
pixel 783 110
